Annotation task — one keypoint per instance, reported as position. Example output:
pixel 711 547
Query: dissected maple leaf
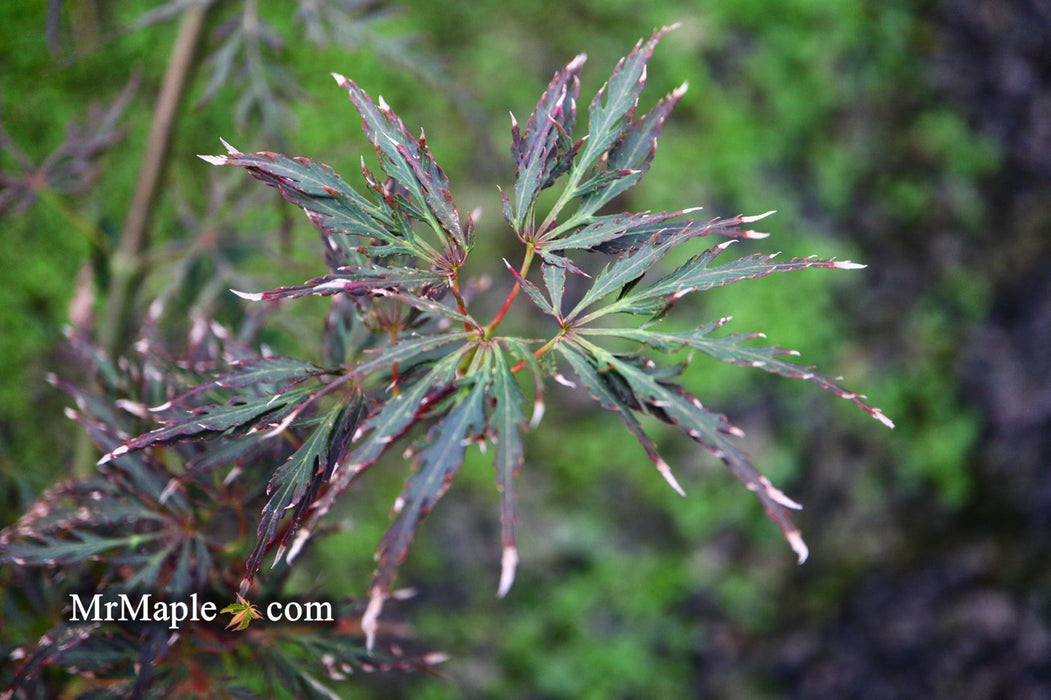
pixel 243 613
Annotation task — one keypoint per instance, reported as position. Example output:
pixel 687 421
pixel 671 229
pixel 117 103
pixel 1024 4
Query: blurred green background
pixel 909 135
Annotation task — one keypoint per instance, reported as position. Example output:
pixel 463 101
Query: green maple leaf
pixel 243 613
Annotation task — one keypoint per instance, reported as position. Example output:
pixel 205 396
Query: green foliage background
pixel 834 114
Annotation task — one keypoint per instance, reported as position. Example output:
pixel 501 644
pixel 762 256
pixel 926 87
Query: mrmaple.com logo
pixel 145 608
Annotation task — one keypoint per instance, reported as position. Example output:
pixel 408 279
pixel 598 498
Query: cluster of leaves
pixel 407 360
pixel 405 349
pixel 172 523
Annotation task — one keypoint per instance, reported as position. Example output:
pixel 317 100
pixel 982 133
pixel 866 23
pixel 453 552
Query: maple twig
pixel 461 304
pixel 522 272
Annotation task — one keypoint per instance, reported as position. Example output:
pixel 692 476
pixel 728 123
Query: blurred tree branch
pixel 127 262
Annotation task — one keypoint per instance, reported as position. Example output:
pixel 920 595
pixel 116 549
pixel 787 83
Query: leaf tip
pixel 847 265
pixel 757 217
pixel 665 471
pixel 112 454
pixel 214 160
pixel 508 566
pixel 882 418
pixel 229 149
pixel 250 296
pixel 280 552
pixel 538 412
pixel 795 540
pixel 564 382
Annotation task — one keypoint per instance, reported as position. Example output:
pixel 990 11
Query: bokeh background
pixel 911 135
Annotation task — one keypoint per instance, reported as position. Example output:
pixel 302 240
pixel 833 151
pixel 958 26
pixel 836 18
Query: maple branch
pixel 135 235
